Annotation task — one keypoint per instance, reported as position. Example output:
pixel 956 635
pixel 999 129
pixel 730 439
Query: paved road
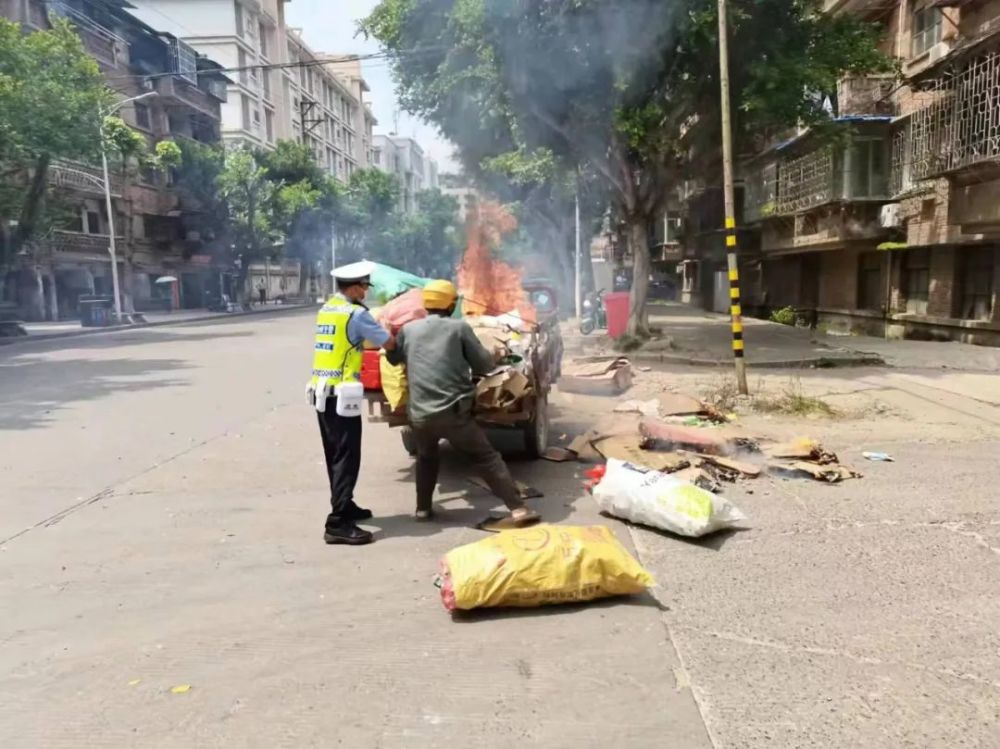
pixel 162 511
pixel 162 501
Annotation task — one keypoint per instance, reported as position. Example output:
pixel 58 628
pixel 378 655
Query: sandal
pixel 528 517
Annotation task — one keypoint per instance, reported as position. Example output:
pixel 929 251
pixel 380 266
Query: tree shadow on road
pixel 137 337
pixel 37 389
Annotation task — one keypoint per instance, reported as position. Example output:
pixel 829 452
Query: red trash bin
pixel 616 306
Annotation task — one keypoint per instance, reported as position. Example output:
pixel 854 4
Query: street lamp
pixel 112 249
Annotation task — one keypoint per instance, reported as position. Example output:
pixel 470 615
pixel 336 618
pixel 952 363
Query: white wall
pixel 188 19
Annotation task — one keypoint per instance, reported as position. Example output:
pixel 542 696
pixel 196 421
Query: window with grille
pixel 976 299
pixel 142 118
pixel 870 281
pixel 917 280
pixel 926 29
pixel 93 222
pixel 185 61
pixel 246 112
pixel 238 9
pixel 866 169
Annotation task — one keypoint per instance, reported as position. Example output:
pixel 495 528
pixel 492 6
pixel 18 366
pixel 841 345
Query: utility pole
pixel 333 254
pixel 112 245
pixel 577 280
pixel 735 309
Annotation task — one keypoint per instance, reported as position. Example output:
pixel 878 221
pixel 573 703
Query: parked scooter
pixel 594 315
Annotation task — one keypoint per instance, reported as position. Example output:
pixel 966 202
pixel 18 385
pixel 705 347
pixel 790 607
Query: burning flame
pixel 490 286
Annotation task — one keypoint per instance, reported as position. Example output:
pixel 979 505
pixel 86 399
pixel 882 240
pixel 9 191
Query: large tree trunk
pixel 31 208
pixel 638 245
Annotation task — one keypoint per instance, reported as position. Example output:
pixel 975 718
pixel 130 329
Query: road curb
pixel 818 362
pixel 217 317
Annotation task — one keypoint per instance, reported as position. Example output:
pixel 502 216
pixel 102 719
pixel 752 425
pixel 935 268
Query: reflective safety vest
pixel 335 358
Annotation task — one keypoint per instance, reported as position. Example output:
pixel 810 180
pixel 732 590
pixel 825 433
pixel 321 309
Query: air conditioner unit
pixel 890 216
pixel 938 51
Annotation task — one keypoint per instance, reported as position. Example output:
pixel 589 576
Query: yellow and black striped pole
pixel 735 308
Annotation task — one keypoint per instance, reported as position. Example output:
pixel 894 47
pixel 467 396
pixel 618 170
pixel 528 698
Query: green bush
pixel 785 316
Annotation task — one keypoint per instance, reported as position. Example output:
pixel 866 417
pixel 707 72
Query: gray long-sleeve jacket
pixel 441 354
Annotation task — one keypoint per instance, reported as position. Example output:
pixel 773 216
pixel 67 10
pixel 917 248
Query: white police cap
pixel 354 271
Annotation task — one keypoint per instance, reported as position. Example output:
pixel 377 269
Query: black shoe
pixel 348 534
pixel 356 513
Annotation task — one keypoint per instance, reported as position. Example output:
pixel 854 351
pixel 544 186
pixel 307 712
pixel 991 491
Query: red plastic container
pixel 371 373
pixel 616 307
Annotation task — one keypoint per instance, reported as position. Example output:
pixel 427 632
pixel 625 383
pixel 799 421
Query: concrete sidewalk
pixel 705 338
pixel 41 331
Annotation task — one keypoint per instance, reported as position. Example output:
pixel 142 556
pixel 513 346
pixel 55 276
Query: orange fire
pixel 490 286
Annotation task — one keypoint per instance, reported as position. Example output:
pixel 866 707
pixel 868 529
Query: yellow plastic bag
pixel 540 565
pixel 394 384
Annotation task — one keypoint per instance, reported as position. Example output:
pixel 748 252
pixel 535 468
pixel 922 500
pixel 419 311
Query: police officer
pixel 342 327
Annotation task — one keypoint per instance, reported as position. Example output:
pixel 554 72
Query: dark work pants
pixel 465 436
pixel 342 449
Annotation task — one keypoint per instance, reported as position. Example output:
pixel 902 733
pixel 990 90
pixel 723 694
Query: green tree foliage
pixel 366 210
pixel 426 242
pixel 196 180
pixel 51 93
pixel 609 87
pixel 306 201
pixel 251 200
pixel 371 225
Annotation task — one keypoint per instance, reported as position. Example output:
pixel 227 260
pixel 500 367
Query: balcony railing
pixel 78 241
pixel 169 87
pixel 958 128
pixel 805 182
pixel 101 42
pixel 70 175
pixel 855 172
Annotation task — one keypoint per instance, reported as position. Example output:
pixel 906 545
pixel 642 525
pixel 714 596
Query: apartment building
pixel 318 99
pixel 462 189
pixel 152 237
pixel 895 229
pixel 363 122
pixel 242 35
pixel 328 112
pixel 404 158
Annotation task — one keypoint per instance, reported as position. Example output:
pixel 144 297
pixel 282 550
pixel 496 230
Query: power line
pixel 282 65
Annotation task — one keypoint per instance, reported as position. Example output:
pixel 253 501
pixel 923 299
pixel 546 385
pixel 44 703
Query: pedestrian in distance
pixel 441 354
pixel 262 293
pixel 342 327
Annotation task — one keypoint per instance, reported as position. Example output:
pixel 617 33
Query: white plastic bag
pixel 642 495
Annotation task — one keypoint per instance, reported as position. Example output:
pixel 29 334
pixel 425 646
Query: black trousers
pixel 460 429
pixel 342 449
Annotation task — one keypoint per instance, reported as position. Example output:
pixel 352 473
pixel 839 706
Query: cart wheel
pixel 536 431
pixel 409 441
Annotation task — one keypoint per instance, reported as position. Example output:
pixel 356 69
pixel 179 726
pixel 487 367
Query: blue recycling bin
pixel 95 311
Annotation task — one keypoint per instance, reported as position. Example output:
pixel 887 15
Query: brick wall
pixel 838 281
pixel 940 298
pixel 782 281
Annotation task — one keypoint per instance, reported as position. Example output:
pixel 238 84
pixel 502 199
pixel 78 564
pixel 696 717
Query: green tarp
pixel 388 283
